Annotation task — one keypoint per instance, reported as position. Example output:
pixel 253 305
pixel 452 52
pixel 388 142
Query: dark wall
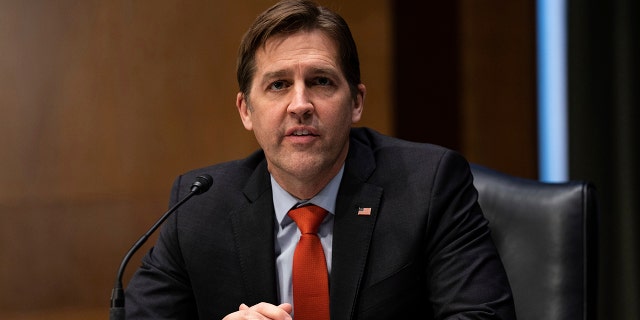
pixel 604 110
pixel 466 79
pixel 428 77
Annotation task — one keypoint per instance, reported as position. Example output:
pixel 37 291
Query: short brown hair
pixel 291 16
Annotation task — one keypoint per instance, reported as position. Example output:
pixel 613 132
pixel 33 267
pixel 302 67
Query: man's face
pixel 300 107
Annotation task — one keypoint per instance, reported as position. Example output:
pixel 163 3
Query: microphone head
pixel 202 184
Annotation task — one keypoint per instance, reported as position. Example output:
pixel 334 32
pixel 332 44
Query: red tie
pixel 310 276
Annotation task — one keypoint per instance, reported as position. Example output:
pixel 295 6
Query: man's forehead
pixel 276 40
pixel 272 57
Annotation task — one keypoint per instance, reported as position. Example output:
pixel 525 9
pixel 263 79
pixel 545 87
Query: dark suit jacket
pixel 424 250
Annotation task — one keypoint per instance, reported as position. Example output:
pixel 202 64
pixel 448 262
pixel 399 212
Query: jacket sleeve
pixel 466 276
pixel 160 288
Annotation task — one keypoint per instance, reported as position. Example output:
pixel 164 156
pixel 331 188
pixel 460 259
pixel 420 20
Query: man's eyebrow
pixel 267 76
pixel 329 71
pixel 275 74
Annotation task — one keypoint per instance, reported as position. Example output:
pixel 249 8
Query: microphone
pixel 199 186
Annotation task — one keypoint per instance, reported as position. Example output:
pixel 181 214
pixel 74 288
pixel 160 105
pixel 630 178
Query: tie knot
pixel 308 218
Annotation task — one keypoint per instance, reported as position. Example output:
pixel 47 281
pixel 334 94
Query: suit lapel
pixel 254 238
pixel 352 231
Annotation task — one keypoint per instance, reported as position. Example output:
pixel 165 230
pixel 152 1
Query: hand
pixel 262 310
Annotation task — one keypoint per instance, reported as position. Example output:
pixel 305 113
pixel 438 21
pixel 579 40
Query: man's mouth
pixel 301 133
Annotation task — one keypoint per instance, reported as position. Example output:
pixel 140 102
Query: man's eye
pixel 277 85
pixel 323 81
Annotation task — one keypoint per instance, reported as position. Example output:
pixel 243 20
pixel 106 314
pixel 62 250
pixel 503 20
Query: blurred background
pixel 104 103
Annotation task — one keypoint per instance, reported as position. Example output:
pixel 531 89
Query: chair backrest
pixel 547 236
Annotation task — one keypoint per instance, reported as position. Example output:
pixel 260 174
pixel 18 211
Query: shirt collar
pixel 283 201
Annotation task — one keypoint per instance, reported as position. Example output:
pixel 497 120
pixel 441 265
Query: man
pixel 404 235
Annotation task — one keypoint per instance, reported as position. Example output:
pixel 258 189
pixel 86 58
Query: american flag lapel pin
pixel 364 211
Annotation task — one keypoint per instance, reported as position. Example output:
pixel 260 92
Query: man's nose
pixel 301 104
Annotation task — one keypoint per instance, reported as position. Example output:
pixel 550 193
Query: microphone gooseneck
pixel 116 312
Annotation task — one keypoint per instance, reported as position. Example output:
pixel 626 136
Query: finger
pixel 272 311
pixel 287 307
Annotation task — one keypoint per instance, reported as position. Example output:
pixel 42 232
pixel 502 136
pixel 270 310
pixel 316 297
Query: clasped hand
pixel 262 310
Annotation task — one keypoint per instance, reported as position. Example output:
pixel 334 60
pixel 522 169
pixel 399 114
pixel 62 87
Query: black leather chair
pixel 547 236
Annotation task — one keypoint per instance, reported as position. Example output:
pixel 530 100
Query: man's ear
pixel 243 110
pixel 358 104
